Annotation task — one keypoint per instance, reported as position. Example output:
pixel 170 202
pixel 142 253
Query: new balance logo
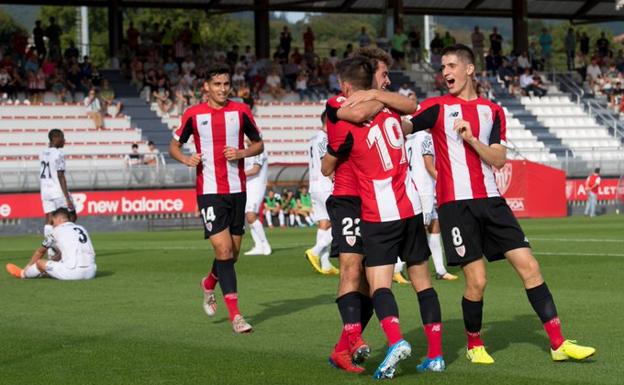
pixel 204 123
pixel 454 114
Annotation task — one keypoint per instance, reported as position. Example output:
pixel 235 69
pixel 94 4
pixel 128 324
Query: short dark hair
pixel 63 211
pixel 134 145
pixel 375 55
pixel 54 133
pixel 217 69
pixel 460 50
pixel 597 170
pixel 356 70
pixel 323 116
pixel 150 143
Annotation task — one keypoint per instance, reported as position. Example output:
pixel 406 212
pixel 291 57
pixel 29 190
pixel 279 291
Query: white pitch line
pixel 135 248
pixel 578 240
pixel 579 254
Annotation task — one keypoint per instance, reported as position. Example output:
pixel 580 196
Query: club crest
pixel 461 250
pixel 350 240
pixel 503 178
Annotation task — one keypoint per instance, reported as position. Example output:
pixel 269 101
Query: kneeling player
pixel 391 220
pixel 468 134
pixel 74 258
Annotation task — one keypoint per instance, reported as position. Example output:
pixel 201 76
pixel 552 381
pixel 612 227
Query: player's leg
pixel 268 215
pixel 434 239
pixel 398 272
pixel 280 217
pixel 251 219
pixel 543 304
pixel 472 309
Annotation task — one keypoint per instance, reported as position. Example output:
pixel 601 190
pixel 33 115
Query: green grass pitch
pixel 141 321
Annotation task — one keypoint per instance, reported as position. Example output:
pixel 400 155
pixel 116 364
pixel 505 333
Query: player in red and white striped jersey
pixel 469 134
pixel 391 223
pixel 218 128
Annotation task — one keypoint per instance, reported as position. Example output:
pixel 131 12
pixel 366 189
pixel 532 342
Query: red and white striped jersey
pixel 377 153
pixel 345 182
pixel 212 130
pixel 462 174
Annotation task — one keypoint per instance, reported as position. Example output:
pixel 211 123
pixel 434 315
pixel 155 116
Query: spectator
pixel 273 208
pixel 405 90
pixel 151 157
pixel 53 33
pixel 602 44
pixel 285 42
pixel 94 109
pixel 398 43
pixel 38 34
pixel 317 86
pixel 584 43
pixel 436 44
pixel 57 80
pixel 448 40
pixel 188 64
pixel 496 42
pixel 6 90
pixel 301 86
pixel 333 56
pixel 163 100
pixel 593 73
pixel 74 81
pixel 71 53
pixel 347 53
pixel 478 40
pixel 570 47
pixel 274 82
pixel 231 57
pixel 132 161
pixel 545 41
pixel 414 41
pixel 334 85
pixel 523 61
pixel 308 40
pixel 363 38
pixel 296 57
pixel 111 106
pixel 132 36
pixel 592 184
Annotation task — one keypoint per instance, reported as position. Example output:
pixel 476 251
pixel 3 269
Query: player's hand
pixel 360 97
pixel 70 205
pixel 427 219
pixel 463 128
pixel 232 153
pixel 193 160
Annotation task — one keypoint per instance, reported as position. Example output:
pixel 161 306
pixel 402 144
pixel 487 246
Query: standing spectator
pixel 71 53
pixel 132 161
pixel 308 40
pixel 74 81
pixel 167 38
pixel 545 41
pixel 591 186
pixel 602 44
pixel 398 42
pixel 448 40
pixel 478 41
pixel 570 47
pixel 38 34
pixel 132 36
pixel 496 42
pixel 285 42
pixel 414 40
pixel 584 43
pixel 363 38
pixel 94 109
pixel 436 44
pixel 53 33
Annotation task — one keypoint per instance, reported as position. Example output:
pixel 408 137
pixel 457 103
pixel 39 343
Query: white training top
pixel 259 181
pixel 418 145
pixel 318 148
pixel 51 161
pixel 74 243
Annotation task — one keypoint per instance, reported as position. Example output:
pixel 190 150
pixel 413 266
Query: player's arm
pixel 424 119
pixel 430 166
pixel 63 183
pixel 254 170
pixel 253 133
pixel 494 154
pixel 395 101
pixel 181 136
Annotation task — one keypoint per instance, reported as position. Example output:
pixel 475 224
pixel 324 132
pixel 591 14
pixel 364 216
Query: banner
pixel 533 190
pixel 607 191
pixel 90 203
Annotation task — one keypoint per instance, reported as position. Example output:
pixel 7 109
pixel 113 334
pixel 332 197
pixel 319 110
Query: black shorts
pixel 222 211
pixel 344 214
pixel 397 55
pixel 385 241
pixel 477 227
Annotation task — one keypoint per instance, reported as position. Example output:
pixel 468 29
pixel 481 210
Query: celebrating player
pixel 421 154
pixel 320 189
pixel 354 302
pixel 54 192
pixel 391 218
pixel 218 127
pixel 256 171
pixel 74 257
pixel 469 136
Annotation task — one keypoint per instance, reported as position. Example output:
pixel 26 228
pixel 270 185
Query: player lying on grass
pixel 392 223
pixel 74 257
pixel 469 136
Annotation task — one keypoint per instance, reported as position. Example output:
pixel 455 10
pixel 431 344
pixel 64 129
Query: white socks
pixel 298 220
pixel 435 245
pixel 31 271
pixel 291 219
pixel 281 218
pixel 269 219
pixel 309 221
pixel 47 231
pixel 257 233
pixel 323 240
pixel 325 264
pixel 398 266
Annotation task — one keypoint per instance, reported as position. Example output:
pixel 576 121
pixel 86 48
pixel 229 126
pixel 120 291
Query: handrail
pixel 597 111
pixel 564 79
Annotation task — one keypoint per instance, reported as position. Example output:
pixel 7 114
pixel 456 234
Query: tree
pixel 8 27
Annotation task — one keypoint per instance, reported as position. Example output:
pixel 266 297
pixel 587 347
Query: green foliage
pixel 8 27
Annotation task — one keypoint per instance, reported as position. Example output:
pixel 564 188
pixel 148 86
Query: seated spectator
pixel 94 109
pixel 132 161
pixel 301 86
pixel 273 208
pixel 6 90
pixel 74 81
pixel 57 82
pixel 317 86
pixel 593 73
pixel 334 85
pixel 304 206
pixel 405 90
pixel 163 101
pixel 244 92
pixel 111 106
pixel 274 83
pixel 615 96
pixel 152 155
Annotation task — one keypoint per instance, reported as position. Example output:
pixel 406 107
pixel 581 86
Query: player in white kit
pixel 320 189
pixel 74 258
pixel 421 154
pixel 256 170
pixel 54 192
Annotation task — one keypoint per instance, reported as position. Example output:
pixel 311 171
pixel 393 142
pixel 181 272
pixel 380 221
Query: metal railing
pixel 566 83
pixel 602 116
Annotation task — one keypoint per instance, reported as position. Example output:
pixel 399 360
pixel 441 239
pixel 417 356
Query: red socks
pixel 474 339
pixel 392 329
pixel 210 282
pixel 553 329
pixel 351 333
pixel 433 331
pixel 231 301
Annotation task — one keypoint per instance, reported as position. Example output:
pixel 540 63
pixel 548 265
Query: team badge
pixel 503 178
pixel 461 250
pixel 209 226
pixel 350 240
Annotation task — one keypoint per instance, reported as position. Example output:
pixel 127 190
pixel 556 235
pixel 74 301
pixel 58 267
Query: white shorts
pixel 319 209
pixel 255 198
pixel 59 271
pixel 50 205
